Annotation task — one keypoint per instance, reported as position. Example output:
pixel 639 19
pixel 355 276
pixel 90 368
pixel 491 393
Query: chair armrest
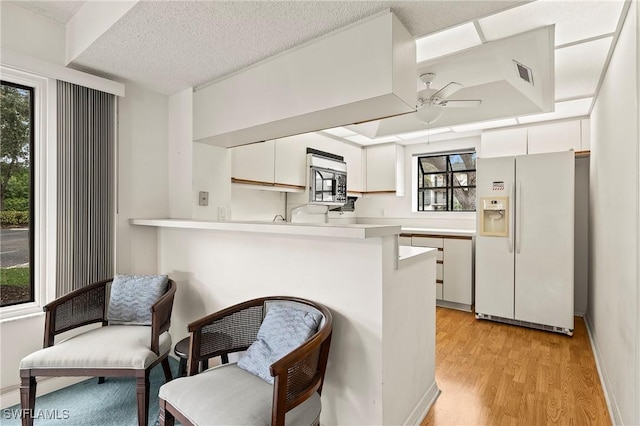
pixel 233 329
pixel 84 306
pixel 161 316
pixel 300 373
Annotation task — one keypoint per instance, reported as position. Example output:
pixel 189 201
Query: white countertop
pixel 286 228
pixel 409 254
pixel 440 231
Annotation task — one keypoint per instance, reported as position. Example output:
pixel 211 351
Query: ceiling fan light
pixel 428 114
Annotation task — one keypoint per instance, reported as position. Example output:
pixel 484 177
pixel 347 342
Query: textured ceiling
pixel 168 46
pixel 60 11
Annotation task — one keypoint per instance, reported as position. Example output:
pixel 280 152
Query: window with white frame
pixel 25 163
pixel 446 182
pixel 16 192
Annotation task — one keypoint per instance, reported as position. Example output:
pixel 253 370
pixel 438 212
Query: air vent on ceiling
pixel 524 72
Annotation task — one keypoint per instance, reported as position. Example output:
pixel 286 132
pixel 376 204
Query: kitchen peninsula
pixel 382 362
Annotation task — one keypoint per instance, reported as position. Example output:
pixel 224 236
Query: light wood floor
pixel 497 374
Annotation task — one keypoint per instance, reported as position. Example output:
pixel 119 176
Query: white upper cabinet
pixel 385 169
pixel 554 137
pixel 535 139
pixel 253 164
pixel 291 161
pixel 353 156
pixel 503 143
pixel 282 163
pixel 291 156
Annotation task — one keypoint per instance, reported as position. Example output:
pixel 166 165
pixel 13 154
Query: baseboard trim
pixel 454 305
pixel 422 408
pixel 10 395
pixel 612 406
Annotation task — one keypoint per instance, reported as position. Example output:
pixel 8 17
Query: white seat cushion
pixel 114 346
pixel 229 395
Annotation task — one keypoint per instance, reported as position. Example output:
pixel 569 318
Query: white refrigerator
pixel 525 240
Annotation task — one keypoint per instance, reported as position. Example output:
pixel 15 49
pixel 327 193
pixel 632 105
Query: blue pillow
pixel 282 330
pixel 132 296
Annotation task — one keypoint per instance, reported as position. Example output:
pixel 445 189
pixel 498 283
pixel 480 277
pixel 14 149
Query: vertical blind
pixel 85 213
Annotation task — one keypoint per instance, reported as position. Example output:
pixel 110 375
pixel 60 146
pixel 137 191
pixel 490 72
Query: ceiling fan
pixel 431 102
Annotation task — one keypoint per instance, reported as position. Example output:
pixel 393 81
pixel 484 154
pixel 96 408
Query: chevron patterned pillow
pixel 132 297
pixel 282 330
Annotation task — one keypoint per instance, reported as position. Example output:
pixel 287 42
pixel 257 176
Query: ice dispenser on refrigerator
pixel 494 220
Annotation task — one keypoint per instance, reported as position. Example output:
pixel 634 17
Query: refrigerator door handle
pixel 510 224
pixel 518 215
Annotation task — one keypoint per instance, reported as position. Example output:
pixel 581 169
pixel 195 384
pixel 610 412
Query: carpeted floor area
pixel 112 403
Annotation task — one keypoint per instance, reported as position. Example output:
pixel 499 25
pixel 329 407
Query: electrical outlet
pixel 222 213
pixel 203 198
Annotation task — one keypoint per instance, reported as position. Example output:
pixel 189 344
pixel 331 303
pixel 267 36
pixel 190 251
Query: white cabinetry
pixel 536 139
pixel 385 169
pixel 353 156
pixel 554 137
pixel 253 164
pixel 290 161
pixel 434 242
pixel 454 268
pixel 282 163
pixel 457 270
pixel 502 143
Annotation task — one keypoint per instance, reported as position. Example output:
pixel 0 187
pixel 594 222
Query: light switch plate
pixel 203 198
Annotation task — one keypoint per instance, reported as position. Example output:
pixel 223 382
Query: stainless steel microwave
pixel 327 179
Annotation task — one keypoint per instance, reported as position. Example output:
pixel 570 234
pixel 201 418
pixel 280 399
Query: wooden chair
pixel 107 351
pixel 228 394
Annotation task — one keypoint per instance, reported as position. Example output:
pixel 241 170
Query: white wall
pixel 44 41
pixel 254 204
pixel 613 312
pixel 211 173
pixel 581 237
pixel 142 176
pixel 180 154
pixel 392 209
pixel 31 34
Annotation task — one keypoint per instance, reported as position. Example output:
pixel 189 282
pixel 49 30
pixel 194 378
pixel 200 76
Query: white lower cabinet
pixel 458 270
pixel 454 268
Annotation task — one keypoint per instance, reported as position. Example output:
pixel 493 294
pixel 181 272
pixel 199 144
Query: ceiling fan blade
pixel 447 91
pixel 460 103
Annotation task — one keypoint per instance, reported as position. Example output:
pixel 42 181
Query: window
pixel 16 193
pixel 447 182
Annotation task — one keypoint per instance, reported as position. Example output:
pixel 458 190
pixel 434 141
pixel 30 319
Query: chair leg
pixel 167 369
pixel 27 397
pixel 165 417
pixel 225 358
pixel 100 380
pixel 142 391
pixel 182 367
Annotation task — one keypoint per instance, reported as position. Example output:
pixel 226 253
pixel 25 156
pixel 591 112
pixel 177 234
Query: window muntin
pixel 447 182
pixel 17 123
